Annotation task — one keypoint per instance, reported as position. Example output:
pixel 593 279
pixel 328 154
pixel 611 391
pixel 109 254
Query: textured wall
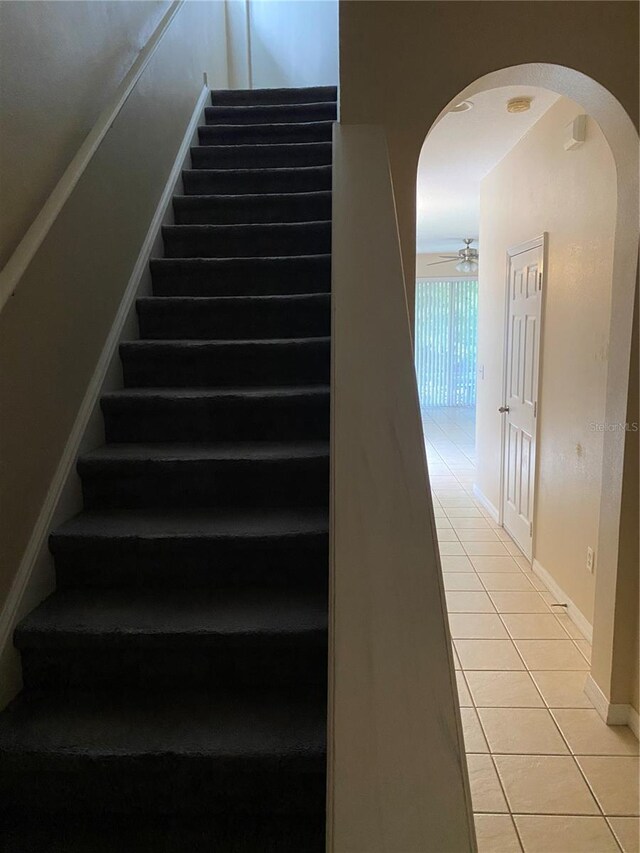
pixel 572 195
pixel 59 64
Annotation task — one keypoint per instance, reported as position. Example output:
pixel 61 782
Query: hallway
pixel 547 775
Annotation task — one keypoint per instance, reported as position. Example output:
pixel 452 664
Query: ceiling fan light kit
pixel 467 258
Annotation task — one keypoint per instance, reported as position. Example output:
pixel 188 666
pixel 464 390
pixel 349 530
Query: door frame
pixel 541 242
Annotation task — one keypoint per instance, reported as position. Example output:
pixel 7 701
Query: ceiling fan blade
pixel 450 257
pixel 435 263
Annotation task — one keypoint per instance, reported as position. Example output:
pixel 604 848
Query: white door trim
pixel 542 242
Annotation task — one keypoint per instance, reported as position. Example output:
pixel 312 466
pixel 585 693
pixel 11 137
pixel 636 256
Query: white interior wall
pixel 572 195
pixel 281 43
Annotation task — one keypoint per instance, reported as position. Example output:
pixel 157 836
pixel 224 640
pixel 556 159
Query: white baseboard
pixel 29 586
pixel 486 503
pixel 572 611
pixel 613 714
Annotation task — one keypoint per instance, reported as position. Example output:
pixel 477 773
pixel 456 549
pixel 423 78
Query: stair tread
pixel 162 523
pixel 223 342
pixel 266 392
pixel 259 198
pixel 251 451
pixel 247 300
pixel 278 170
pixel 244 726
pixel 119 615
pixel 275 95
pixel 237 226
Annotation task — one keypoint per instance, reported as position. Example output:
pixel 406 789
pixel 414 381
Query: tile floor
pixel 547 775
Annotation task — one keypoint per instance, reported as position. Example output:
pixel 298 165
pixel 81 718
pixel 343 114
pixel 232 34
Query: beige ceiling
pixel 460 150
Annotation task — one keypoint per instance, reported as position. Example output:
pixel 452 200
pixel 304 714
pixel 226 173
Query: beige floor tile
pixel 488 654
pixel 448 535
pixel 519 602
pixel 627 831
pixel 462 581
pixel 496 834
pixel 486 549
pixel 525 731
pixel 474 740
pixel 451 549
pixel 504 536
pixel 614 780
pixel 498 581
pixel 562 834
pixel 562 689
pixel 587 734
pixel 569 625
pixel 551 654
pixel 483 535
pixel 438 512
pixel 470 524
pixel 503 690
pixel 496 564
pixel 486 793
pixel 536 583
pixel 464 697
pixel 469 602
pixel 463 512
pixel 585 649
pixel 458 502
pixel 551 600
pixel 477 626
pixel 533 626
pixel 513 549
pixel 456 661
pixel 443 524
pixel 545 784
pixel 456 563
pixel 523 562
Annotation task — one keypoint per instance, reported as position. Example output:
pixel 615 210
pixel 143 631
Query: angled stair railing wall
pixel 70 290
pixel 396 767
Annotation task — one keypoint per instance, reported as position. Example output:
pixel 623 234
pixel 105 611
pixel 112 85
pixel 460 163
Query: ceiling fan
pixel 467 258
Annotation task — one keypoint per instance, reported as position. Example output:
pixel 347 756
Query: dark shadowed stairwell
pixel 175 681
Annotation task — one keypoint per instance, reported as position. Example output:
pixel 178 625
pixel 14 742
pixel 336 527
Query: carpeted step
pixel 271 113
pixel 78 752
pixel 219 364
pixel 240 209
pixel 241 276
pixel 261 156
pixel 222 414
pixel 234 317
pixel 285 548
pixel 300 95
pixel 203 475
pixel 175 638
pixel 233 181
pixel 246 241
pixel 233 833
pixel 261 134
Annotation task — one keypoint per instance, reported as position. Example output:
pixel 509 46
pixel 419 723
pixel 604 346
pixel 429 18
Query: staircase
pixel 175 682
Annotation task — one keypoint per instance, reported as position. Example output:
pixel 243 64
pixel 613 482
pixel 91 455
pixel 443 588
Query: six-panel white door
pixel 522 353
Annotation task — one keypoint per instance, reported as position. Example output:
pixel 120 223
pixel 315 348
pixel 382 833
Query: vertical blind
pixel 446 341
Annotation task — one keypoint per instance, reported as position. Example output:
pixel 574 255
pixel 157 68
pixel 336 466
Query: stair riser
pixel 301 564
pixel 259 661
pixel 239 484
pixel 206 420
pixel 271 156
pixel 162 784
pixel 233 210
pixel 230 182
pixel 193 366
pixel 270 114
pixel 169 319
pixel 246 241
pixel 250 277
pixel 301 95
pixel 265 134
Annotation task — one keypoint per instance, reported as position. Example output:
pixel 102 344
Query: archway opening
pixel 525 397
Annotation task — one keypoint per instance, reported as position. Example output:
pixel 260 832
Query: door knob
pixel 503 409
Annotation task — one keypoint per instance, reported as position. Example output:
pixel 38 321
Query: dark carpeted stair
pixel 175 682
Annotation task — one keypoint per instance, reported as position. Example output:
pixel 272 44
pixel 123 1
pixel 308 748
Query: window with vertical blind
pixel 446 341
